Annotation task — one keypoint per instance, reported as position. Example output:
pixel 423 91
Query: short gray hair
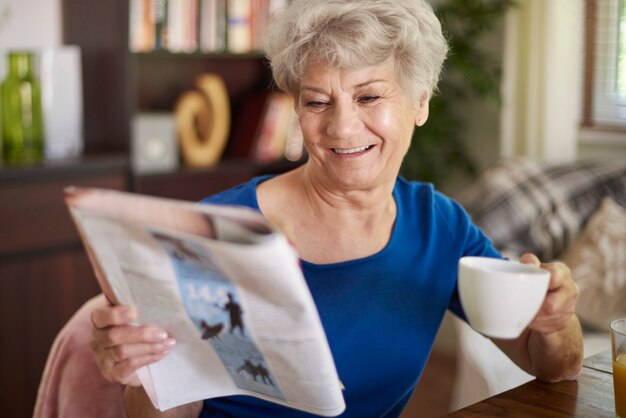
pixel 354 34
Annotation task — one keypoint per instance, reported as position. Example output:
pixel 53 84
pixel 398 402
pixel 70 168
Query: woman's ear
pixel 421 116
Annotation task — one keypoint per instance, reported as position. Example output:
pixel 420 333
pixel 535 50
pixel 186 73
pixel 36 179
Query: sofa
pixel 71 385
pixel 574 212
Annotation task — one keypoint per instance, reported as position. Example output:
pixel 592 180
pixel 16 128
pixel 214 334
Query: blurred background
pixel 542 80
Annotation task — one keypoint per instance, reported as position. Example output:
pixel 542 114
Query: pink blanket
pixel 72 385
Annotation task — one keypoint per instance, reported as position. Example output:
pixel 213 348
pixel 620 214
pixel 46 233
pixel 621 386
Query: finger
pixel 557 302
pixel 558 306
pixel 543 319
pixel 531 259
pixel 107 316
pixel 559 274
pixel 126 334
pixel 548 326
pixel 124 371
pixel 555 307
pixel 128 351
pixel 119 363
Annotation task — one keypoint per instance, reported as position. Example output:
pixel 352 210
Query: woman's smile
pixel 353 152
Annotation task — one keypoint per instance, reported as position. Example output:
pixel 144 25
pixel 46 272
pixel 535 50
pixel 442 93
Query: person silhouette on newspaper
pixel 235 313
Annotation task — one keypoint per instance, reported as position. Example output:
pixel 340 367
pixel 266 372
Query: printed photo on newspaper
pixel 226 284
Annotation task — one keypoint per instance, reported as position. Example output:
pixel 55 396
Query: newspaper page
pixel 225 284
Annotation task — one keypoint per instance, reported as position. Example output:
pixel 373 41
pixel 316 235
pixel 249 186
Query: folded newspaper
pixel 226 284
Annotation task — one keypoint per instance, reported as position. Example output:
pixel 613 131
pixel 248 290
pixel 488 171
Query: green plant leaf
pixel 438 151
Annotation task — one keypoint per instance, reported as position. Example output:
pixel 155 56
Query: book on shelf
pixel 147 25
pixel 159 20
pixel 258 23
pixel 239 25
pixel 182 25
pixel 226 284
pixel 187 26
pixel 278 127
pixel 141 34
pixel 212 25
pixel 267 130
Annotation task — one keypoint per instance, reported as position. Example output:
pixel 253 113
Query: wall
pixel 30 23
pixel 542 80
pixel 482 117
pixel 542 86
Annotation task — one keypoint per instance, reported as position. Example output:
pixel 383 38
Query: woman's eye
pixel 315 104
pixel 368 99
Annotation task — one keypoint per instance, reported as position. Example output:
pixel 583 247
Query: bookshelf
pixel 45 275
pixel 119 84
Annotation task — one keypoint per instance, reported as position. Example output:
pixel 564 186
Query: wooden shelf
pixel 198 55
pixel 161 78
pixel 45 275
pixel 196 184
pixel 68 167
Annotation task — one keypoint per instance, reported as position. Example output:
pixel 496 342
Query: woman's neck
pixel 332 203
pixel 328 225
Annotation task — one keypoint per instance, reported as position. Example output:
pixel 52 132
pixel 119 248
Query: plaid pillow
pixel 525 206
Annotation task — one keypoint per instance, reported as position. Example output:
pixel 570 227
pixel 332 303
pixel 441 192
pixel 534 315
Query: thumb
pixel 529 258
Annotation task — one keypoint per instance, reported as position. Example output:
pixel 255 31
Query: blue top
pixel 381 313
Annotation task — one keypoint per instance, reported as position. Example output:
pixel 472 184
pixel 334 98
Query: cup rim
pixel 502 265
pixel 613 326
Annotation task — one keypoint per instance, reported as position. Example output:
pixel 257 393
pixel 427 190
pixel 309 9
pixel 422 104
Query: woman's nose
pixel 344 121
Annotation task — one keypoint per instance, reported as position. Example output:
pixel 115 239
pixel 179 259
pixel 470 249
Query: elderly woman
pixel 379 253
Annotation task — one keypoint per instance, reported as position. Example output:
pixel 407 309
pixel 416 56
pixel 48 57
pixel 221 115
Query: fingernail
pixel 160 335
pixel 166 346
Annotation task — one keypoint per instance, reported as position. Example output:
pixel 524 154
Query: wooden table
pixel 590 396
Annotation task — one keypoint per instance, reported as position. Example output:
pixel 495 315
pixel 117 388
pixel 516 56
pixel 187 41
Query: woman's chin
pixel 350 174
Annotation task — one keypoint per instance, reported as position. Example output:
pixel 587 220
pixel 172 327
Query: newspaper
pixel 225 284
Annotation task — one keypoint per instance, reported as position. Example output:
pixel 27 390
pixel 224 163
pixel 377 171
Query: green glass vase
pixel 20 108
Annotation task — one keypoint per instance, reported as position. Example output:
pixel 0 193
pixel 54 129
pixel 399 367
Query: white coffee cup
pixel 500 298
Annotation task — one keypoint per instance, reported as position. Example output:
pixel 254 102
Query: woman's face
pixel 357 124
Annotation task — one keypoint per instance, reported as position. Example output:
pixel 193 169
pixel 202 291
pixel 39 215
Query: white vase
pixel 62 101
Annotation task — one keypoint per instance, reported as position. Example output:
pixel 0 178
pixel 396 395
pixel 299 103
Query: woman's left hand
pixel 560 302
pixel 551 348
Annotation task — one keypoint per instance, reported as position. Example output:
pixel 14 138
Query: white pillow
pixel 597 259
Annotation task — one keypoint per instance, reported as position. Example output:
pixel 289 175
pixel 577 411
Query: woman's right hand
pixel 121 348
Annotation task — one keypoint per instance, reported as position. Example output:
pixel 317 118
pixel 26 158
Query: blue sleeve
pixel 468 238
pixel 241 195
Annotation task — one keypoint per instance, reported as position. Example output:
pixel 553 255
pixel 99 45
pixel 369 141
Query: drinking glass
pixel 618 349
